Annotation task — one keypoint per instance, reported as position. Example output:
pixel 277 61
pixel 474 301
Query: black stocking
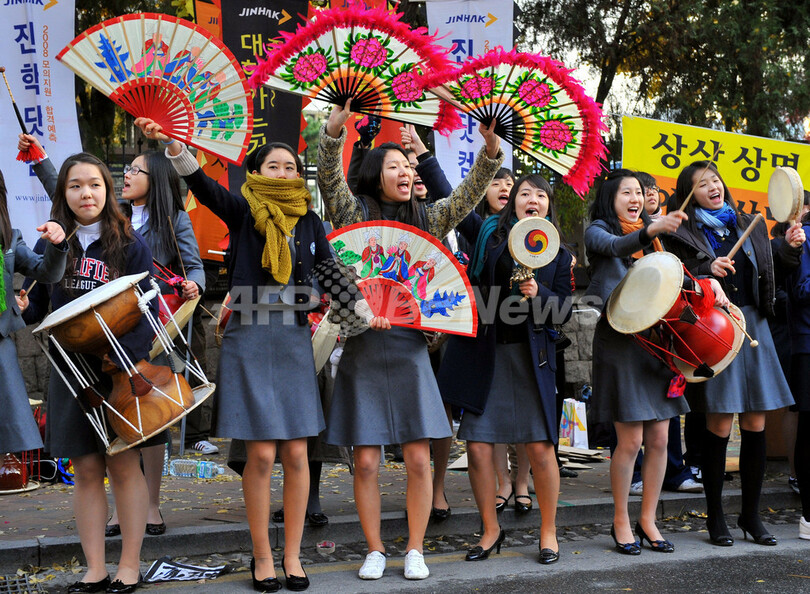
pixel 714 470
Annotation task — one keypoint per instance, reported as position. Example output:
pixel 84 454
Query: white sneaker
pixel 690 486
pixel 373 567
pixel 205 447
pixel 804 529
pixel 637 488
pixel 415 568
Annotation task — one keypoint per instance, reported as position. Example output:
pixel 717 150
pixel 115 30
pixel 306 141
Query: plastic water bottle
pixel 208 469
pixel 183 467
pixel 166 459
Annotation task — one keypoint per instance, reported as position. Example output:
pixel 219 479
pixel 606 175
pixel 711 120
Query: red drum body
pixel 691 337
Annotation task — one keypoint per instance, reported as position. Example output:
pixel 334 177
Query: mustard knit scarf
pixel 276 206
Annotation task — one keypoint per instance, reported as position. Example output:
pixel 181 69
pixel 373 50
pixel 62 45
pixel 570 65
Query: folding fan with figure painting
pixel 407 276
pixel 367 55
pixel 173 72
pixel 539 107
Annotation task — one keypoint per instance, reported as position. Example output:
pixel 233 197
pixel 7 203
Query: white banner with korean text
pixel 469 28
pixel 32 33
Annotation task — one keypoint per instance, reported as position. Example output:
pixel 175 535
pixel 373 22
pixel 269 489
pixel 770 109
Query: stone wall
pixel 579 329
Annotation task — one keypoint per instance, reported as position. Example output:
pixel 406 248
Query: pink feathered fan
pixel 540 108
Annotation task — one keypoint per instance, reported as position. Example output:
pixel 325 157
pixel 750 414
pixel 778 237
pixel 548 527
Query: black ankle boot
pixel 714 469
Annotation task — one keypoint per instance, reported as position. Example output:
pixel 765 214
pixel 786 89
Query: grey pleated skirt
pixel 18 429
pixel 266 384
pixel 629 384
pixel 385 391
pixel 753 382
pixel 514 409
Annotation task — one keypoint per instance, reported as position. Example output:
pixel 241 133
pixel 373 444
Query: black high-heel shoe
pixel 761 537
pixel 267 584
pixel 523 508
pixel 625 548
pixel 723 539
pixel 499 507
pixel 99 586
pixel 479 553
pixel 296 583
pixel 548 556
pixel 660 546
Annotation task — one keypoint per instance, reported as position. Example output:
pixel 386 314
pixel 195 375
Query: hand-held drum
pixel 785 194
pixel 692 335
pixel 533 243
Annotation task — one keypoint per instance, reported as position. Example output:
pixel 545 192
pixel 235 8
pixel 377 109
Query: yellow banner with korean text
pixel 746 163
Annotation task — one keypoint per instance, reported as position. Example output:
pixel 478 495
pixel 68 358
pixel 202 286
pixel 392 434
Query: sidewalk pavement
pixel 207 515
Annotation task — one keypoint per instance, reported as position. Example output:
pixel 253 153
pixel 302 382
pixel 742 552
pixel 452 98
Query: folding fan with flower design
pixel 407 276
pixel 366 55
pixel 539 107
pixel 173 72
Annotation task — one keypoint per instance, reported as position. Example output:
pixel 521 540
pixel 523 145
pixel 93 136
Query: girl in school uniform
pixel 629 385
pixel 151 195
pixel 19 431
pixel 104 248
pixel 754 382
pixel 505 377
pixel 366 413
pixel 267 387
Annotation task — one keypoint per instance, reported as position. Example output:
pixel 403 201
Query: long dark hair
pixel 163 200
pixel 507 213
pixel 256 158
pixel 602 208
pixel 483 207
pixel 5 220
pixel 369 186
pixel 116 230
pixel 684 185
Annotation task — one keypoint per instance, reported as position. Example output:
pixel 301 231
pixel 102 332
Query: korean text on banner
pixel 746 163
pixel 469 28
pixel 32 35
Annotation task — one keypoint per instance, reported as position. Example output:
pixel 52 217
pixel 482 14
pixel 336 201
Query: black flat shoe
pixel 625 548
pixel 156 529
pixel 660 546
pixel 523 508
pixel 267 584
pixel 119 587
pixel 761 537
pixel 499 507
pixel 294 582
pixel 278 516
pixel 479 553
pixel 317 519
pixel 547 556
pixel 439 514
pixel 111 530
pixel 99 586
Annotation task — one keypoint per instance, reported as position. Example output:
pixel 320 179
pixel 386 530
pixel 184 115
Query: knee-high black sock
pixel 714 469
pixel 802 461
pixel 752 471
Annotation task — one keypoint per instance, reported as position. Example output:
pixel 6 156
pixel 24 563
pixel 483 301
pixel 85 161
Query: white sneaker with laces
pixel 415 568
pixel 205 447
pixel 804 529
pixel 637 488
pixel 690 486
pixel 373 567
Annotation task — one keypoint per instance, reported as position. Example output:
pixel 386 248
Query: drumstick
pixel 14 103
pixel 754 343
pixel 745 235
pixel 32 285
pixel 174 237
pixel 702 173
